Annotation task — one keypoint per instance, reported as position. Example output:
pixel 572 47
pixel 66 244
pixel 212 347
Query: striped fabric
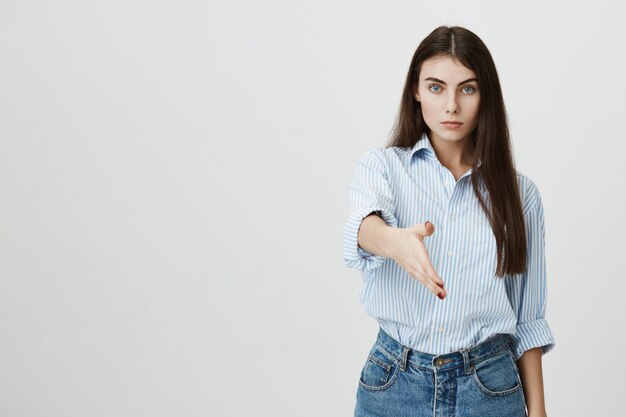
pixel 409 186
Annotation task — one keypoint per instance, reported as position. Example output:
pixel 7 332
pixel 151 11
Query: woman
pixel 442 212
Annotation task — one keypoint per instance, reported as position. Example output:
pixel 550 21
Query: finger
pixel 418 273
pixel 427 267
pixel 421 263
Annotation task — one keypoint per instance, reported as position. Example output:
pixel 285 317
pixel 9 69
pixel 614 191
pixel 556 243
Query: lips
pixel 452 125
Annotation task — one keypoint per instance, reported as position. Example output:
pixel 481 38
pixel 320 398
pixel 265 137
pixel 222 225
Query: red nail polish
pixel 440 295
pixel 441 285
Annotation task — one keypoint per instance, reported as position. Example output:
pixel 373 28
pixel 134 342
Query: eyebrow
pixel 444 83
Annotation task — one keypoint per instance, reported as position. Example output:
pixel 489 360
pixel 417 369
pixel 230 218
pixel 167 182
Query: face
pixel 447 90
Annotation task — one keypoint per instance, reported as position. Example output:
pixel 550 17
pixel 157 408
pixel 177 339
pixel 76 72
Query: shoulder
pixel 529 192
pixel 383 157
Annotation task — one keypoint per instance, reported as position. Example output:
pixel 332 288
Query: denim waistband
pixel 461 358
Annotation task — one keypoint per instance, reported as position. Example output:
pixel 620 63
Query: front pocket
pixel 497 375
pixel 379 371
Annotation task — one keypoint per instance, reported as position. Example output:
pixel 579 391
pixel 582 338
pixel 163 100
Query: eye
pixel 472 88
pixel 436 86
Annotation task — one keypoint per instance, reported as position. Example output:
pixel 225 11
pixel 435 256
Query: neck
pixel 453 153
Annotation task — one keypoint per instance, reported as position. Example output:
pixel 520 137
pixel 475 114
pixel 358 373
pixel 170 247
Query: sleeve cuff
pixel 355 256
pixel 533 334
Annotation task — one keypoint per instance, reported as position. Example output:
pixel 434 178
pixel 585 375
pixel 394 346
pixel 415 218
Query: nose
pixel 452 103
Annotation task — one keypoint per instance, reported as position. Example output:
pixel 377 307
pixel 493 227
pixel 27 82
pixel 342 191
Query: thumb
pixel 429 228
pixel 424 229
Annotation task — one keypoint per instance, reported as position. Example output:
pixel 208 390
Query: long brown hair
pixel 492 147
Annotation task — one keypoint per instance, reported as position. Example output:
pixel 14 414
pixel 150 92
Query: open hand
pixel 410 253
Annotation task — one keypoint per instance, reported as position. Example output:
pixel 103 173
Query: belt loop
pixel 510 342
pixel 466 361
pixel 507 339
pixel 405 357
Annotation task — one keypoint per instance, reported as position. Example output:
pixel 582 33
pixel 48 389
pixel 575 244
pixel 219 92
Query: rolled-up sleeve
pixel 369 192
pixel 528 291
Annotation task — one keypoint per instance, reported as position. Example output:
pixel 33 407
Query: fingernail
pixel 426 224
pixel 441 285
pixel 440 295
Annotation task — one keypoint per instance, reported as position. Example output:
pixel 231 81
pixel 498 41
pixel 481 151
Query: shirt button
pixel 450 253
pixel 452 216
pixel 440 329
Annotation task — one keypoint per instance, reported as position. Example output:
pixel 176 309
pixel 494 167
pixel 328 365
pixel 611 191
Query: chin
pixel 452 135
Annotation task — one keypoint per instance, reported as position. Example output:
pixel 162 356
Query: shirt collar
pixel 424 146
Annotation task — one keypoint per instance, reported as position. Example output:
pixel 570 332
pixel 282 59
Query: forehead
pixel 446 69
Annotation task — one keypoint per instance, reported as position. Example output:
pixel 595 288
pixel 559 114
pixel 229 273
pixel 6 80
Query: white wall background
pixel 173 187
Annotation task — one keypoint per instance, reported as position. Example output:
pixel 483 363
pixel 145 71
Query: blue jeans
pixel 481 381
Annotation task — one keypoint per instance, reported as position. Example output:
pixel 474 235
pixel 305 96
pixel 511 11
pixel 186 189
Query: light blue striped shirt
pixel 409 186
